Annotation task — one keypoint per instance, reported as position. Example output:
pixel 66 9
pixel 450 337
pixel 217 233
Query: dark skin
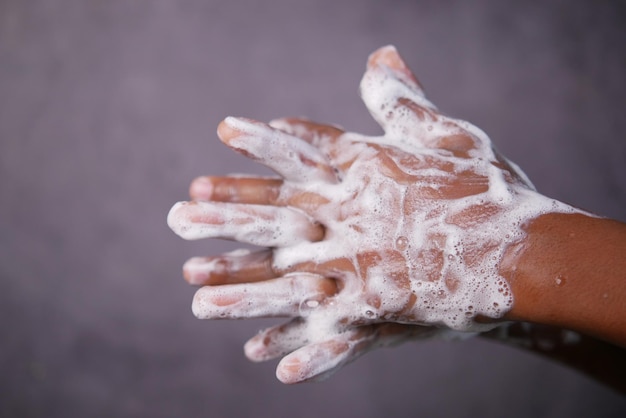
pixel 566 273
pixel 569 273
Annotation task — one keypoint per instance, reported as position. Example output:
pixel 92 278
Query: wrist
pixel 568 272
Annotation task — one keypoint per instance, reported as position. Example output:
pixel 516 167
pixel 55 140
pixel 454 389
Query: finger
pixel 314 133
pixel 291 157
pixel 394 97
pixel 267 226
pixel 253 190
pixel 389 57
pixel 324 137
pixel 397 102
pixel 278 297
pixel 240 266
pixel 283 339
pixel 320 360
pixel 250 190
pixel 277 341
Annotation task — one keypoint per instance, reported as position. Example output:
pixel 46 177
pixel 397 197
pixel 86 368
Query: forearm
pixel 570 272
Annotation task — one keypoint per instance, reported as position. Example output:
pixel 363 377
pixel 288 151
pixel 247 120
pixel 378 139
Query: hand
pixel 369 240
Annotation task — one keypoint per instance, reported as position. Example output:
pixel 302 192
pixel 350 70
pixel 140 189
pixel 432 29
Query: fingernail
pixel 228 129
pixel 195 271
pixel 232 130
pixel 201 188
pixel 239 123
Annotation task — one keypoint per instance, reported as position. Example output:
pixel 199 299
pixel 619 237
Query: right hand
pixel 371 240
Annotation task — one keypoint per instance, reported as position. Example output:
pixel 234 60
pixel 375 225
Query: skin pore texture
pixel 368 240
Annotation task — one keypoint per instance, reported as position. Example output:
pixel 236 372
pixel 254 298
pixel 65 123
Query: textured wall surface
pixel 108 109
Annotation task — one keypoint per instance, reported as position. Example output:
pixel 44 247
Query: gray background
pixel 108 109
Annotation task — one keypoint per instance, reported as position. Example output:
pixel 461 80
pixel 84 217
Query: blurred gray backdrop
pixel 108 109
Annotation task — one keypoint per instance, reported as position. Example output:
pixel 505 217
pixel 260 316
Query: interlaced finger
pixel 317 134
pixel 319 360
pixel 277 341
pixel 234 189
pixel 240 266
pixel 281 297
pixel 267 226
pixel 291 157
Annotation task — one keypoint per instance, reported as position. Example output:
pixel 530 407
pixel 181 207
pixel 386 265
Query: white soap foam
pixel 468 284
pixel 253 224
pixel 440 258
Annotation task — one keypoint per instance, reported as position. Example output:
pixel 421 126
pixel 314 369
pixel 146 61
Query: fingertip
pixel 230 128
pixel 201 188
pixel 211 302
pixel 254 349
pixel 194 271
pixel 386 55
pixel 225 131
pixel 292 370
pixel 389 57
pixel 175 221
pixel 198 305
pixel 289 370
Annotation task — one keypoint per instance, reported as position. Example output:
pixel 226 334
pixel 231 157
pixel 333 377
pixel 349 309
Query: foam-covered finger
pixel 288 155
pixel 272 298
pixel 388 57
pixel 394 97
pixel 324 137
pixel 319 360
pixel 251 190
pixel 239 266
pixel 317 134
pixel 277 341
pixel 267 226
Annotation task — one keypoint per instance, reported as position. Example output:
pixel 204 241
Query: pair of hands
pixel 368 241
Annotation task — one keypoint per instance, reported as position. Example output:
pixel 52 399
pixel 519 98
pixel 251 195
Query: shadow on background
pixel 108 109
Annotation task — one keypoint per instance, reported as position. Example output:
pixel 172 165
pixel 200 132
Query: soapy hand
pixel 369 241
